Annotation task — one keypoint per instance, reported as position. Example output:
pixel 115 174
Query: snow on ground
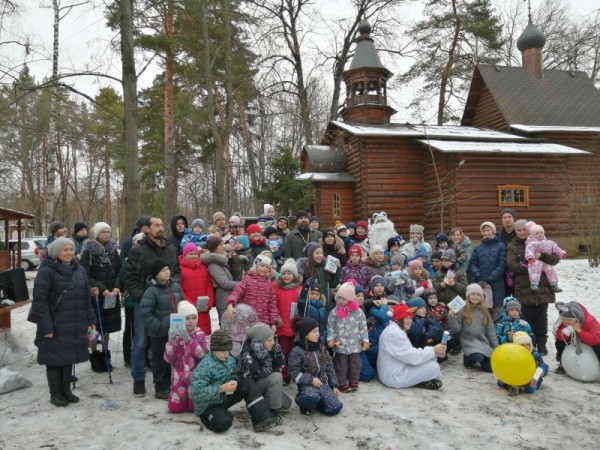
pixel 469 412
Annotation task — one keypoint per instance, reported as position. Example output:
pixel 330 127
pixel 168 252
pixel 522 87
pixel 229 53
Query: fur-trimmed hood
pixel 213 258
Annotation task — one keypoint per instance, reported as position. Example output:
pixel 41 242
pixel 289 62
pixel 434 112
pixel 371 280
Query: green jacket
pixel 208 377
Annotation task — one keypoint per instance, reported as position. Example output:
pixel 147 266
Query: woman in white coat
pixel 399 364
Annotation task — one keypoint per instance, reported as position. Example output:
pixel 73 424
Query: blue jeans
pixel 139 346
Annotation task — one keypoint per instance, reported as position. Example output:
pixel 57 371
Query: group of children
pixel 323 333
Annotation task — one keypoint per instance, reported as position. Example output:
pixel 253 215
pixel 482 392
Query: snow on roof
pixel 554 128
pixel 336 177
pixel 502 147
pixel 431 131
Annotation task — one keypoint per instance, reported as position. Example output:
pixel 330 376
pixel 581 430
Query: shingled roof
pixel 561 98
pixel 323 158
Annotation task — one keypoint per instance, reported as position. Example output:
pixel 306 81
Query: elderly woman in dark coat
pixel 64 315
pixel 488 264
pixel 100 259
pixel 534 304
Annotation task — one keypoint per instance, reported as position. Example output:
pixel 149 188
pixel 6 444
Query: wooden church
pixel 529 139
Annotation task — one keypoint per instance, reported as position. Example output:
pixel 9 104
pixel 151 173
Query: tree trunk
pixel 170 179
pixel 53 144
pixel 107 203
pixel 449 65
pixel 219 184
pixel 247 138
pixel 131 176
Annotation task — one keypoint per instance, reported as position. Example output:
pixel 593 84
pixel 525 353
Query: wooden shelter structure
pixel 14 219
pixel 529 139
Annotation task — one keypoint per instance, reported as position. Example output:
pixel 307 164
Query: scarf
pixel 342 311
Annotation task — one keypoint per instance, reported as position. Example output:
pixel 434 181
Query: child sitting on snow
pixel 216 387
pixel 523 339
pixel 184 350
pixel 310 366
pixel 511 321
pixel 537 243
pixel 425 330
pixel 347 336
pixel 262 360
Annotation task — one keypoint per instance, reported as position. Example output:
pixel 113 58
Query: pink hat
pixel 415 264
pixel 189 247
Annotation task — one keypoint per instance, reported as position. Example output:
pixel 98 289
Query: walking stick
pixel 73 377
pixel 104 348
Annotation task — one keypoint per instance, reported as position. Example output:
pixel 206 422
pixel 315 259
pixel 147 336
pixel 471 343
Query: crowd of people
pixel 324 308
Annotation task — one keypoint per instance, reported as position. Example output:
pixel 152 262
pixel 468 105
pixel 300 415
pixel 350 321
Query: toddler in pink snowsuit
pixel 183 351
pixel 537 243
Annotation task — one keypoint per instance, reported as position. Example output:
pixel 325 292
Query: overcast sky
pixel 85 42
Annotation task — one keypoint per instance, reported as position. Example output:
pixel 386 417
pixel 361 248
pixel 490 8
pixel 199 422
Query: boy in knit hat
pixel 216 387
pixel 312 303
pixel 397 282
pixel 523 339
pixel 160 299
pixel 425 330
pixel 262 360
pixel 511 321
pixel 196 234
pixel 347 335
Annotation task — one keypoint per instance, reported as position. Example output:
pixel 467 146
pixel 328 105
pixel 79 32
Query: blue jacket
pixel 423 329
pixel 507 325
pixel 379 315
pixel 488 264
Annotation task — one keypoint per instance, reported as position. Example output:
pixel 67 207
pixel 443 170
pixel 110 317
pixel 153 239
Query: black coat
pixel 518 265
pixel 102 265
pixel 139 265
pixel 69 321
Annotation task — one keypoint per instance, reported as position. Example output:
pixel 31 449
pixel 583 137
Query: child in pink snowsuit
pixel 183 351
pixel 537 243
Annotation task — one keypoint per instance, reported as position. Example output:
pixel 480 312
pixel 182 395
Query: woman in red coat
pixel 196 282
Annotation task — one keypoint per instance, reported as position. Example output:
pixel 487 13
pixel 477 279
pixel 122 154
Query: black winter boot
pixel 541 345
pixel 66 385
pixel 54 375
pixel 263 418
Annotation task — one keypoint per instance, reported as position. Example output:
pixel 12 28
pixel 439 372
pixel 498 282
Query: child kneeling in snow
pixel 184 350
pixel 310 366
pixel 347 335
pixel 216 387
pixel 262 360
pixel 523 339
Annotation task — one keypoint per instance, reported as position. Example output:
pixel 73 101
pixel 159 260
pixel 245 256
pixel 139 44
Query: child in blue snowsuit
pixel 511 321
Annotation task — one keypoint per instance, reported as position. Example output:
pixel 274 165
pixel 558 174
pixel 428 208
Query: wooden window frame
pixel 513 187
pixel 337 205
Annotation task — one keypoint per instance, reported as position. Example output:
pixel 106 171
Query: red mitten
pixel 425 284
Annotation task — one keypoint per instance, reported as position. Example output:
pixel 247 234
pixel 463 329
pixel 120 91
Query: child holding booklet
pixel 450 280
pixel 523 339
pixel 287 290
pixel 184 350
pixel 475 328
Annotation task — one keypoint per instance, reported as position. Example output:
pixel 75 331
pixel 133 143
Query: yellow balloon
pixel 513 364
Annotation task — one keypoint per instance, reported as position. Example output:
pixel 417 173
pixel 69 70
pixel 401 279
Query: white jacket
pixel 399 364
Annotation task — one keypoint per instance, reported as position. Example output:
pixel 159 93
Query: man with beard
pixel 151 247
pixel 507 233
pixel 301 235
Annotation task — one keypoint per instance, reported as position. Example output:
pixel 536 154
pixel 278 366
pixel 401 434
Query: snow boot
pixel 66 385
pixel 54 376
pixel 555 288
pixel 263 418
pixel 541 345
pixel 432 385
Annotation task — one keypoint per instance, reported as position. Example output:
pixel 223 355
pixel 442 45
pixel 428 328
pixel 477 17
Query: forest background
pixel 115 107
